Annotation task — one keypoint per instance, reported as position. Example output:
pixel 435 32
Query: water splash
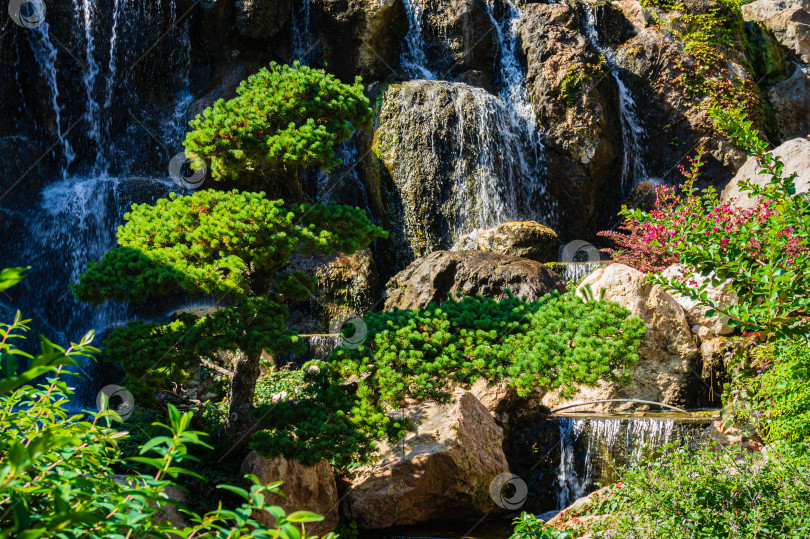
pixel 634 170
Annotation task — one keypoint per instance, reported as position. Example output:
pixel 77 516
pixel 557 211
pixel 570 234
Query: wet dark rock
pixel 361 37
pixel 459 36
pixel 576 102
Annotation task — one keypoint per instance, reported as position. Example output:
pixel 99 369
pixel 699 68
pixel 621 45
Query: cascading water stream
pixel 593 449
pixel 512 80
pixel 634 170
pixel 413 59
pixel 73 219
pixel 302 38
pixel 46 55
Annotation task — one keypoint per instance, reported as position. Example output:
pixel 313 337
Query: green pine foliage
pixel 291 115
pixel 228 244
pixel 555 342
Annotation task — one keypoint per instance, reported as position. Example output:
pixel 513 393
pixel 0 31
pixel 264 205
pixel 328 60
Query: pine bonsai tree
pixel 228 245
pixel 283 117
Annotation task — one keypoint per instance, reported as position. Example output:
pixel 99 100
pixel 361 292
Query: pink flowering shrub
pixel 762 250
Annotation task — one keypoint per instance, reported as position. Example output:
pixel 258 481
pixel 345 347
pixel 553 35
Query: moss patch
pixel 711 40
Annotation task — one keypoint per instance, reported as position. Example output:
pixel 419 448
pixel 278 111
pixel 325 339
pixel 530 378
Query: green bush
pixel 284 115
pixel 784 395
pixel 558 341
pixel 711 493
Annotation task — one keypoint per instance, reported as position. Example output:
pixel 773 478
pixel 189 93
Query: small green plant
pixel 528 526
pixel 57 467
pixel 712 493
pixel 578 77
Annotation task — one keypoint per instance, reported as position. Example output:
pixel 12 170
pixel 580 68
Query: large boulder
pixel 666 369
pixel 361 37
pixel 695 312
pixel 790 26
pixel 458 37
pixel 575 100
pixel 796 156
pixel 790 100
pixel 430 279
pixel 306 488
pixel 442 471
pixel 762 10
pixel 526 239
pixel 453 159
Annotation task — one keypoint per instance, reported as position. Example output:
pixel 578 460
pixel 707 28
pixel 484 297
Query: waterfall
pixel 46 55
pixel 573 272
pixel 571 486
pixel 413 58
pixel 512 82
pixel 302 38
pixel 634 170
pixel 86 13
pixel 497 153
pixel 594 449
pixel 487 190
pixel 111 160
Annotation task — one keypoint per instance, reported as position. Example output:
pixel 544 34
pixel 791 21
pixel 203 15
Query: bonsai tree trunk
pixel 239 425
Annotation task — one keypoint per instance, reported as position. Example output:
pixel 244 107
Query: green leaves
pixel 56 476
pixel 282 115
pixel 710 493
pixel 11 276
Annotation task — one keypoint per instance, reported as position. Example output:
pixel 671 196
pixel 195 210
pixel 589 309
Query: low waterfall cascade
pixel 564 457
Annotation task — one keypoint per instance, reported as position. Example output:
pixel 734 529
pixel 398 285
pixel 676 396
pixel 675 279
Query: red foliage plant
pixel 651 242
